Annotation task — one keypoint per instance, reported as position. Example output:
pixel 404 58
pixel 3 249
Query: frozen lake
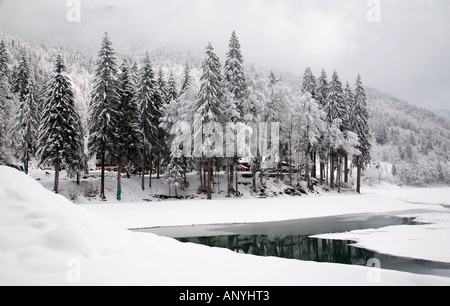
pixel 291 239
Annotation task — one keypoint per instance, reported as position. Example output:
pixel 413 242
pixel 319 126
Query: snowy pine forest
pixel 68 109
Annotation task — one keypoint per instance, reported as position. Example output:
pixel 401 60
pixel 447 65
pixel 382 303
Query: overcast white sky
pixel 406 54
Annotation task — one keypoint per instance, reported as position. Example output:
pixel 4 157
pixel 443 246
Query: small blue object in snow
pixel 119 192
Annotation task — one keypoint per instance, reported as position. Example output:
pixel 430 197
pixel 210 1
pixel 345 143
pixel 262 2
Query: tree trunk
pixel 231 174
pixel 218 176
pixel 237 183
pixel 254 178
pixel 185 169
pixel 322 171
pixel 205 182
pixel 331 169
pixel 228 177
pixel 151 171
pixel 290 170
pixel 346 168
pixel 201 177
pixel 143 170
pixel 209 179
pixel 25 161
pixel 102 185
pixel 314 166
pixel 57 166
pixel 158 167
pixel 307 171
pixel 78 178
pixel 261 175
pixel 339 172
pixel 280 167
pixel 358 178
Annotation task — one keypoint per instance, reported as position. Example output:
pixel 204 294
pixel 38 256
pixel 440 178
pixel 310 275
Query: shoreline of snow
pixel 194 212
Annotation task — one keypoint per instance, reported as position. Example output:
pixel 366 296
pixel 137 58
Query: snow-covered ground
pixel 47 240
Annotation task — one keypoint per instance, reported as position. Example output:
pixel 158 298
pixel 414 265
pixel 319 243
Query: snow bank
pixel 46 240
pixel 436 196
pixel 428 242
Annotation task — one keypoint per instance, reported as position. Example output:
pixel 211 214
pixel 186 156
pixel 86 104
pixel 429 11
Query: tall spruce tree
pixel 348 102
pixel 323 88
pixel 234 76
pixel 172 93
pixel 335 103
pixel 335 109
pixel 104 109
pixel 149 119
pixel 26 125
pixel 235 83
pixel 161 148
pixel 210 106
pixel 309 84
pixel 61 137
pixel 21 78
pixel 186 78
pixel 360 126
pixel 129 144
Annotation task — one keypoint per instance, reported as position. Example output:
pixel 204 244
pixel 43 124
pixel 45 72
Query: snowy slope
pixel 46 240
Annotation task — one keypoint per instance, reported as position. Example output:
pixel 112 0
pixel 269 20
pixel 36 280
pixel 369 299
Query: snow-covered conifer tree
pixel 186 78
pixel 129 122
pixel 309 84
pixel 235 83
pixel 335 109
pixel 348 103
pixel 322 89
pixel 26 126
pixel 22 76
pixel 161 148
pixel 234 76
pixel 360 126
pixel 61 137
pixel 172 92
pixel 210 106
pixel 149 120
pixel 104 109
pixel 335 104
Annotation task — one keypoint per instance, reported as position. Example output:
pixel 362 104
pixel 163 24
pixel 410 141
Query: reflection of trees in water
pixel 293 247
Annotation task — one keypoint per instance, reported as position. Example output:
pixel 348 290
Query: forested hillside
pixel 409 145
pixel 414 140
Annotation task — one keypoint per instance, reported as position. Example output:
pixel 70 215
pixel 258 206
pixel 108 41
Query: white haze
pixel 406 54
